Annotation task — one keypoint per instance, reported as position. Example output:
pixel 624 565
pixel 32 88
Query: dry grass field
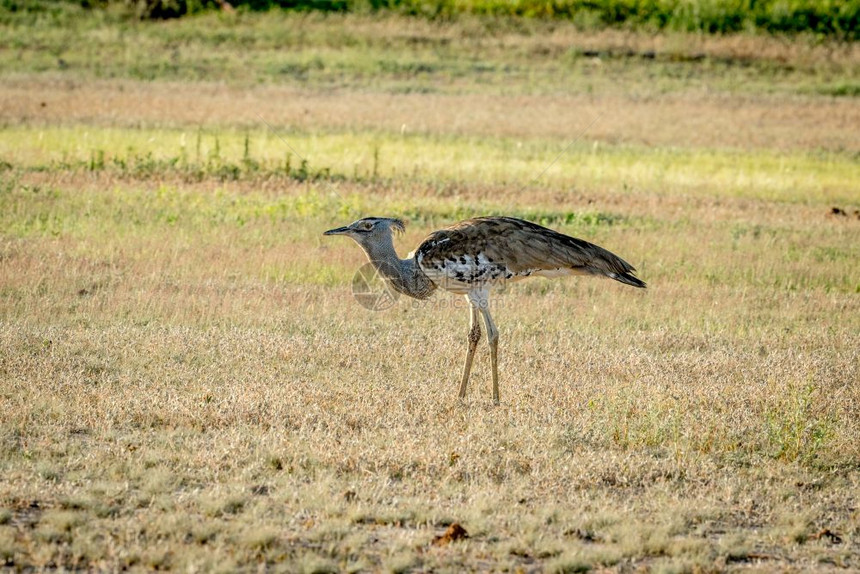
pixel 186 382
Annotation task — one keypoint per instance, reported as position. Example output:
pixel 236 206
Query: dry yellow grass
pixel 186 382
pixel 697 119
pixel 171 403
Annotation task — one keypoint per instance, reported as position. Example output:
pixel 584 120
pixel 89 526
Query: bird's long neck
pixel 403 275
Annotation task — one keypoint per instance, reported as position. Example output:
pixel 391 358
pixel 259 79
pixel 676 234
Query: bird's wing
pixel 523 248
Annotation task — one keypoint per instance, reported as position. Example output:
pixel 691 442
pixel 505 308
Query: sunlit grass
pixel 209 393
pixel 779 176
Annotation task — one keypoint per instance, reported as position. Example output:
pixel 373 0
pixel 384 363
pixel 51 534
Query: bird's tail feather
pixel 628 279
pixel 606 263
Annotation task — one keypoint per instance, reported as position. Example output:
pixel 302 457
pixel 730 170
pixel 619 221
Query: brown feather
pixel 522 248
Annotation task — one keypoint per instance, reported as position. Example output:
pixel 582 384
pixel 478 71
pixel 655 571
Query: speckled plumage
pixel 471 257
pixel 492 250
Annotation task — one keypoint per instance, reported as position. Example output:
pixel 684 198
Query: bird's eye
pixel 368 226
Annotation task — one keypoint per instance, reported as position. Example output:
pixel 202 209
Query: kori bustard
pixel 470 257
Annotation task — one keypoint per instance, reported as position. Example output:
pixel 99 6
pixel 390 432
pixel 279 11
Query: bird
pixel 473 256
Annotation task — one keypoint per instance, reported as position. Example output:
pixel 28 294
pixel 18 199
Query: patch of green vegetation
pixel 546 217
pixel 231 155
pixel 822 17
pixel 54 212
pixel 842 89
pixel 380 52
pixel 796 429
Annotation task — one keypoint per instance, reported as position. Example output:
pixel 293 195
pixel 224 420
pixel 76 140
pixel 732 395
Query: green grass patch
pixel 397 54
pixel 843 89
pixel 822 17
pixel 231 154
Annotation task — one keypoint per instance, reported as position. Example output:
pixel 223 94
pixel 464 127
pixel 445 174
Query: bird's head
pixel 370 230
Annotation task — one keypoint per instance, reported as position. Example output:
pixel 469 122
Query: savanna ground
pixel 188 383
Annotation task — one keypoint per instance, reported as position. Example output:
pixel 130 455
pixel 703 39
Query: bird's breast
pixel 461 273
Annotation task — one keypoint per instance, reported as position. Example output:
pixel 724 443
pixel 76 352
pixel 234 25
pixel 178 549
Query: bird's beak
pixel 337 231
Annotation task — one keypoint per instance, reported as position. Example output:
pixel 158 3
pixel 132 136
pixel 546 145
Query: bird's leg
pixel 474 337
pixel 493 338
